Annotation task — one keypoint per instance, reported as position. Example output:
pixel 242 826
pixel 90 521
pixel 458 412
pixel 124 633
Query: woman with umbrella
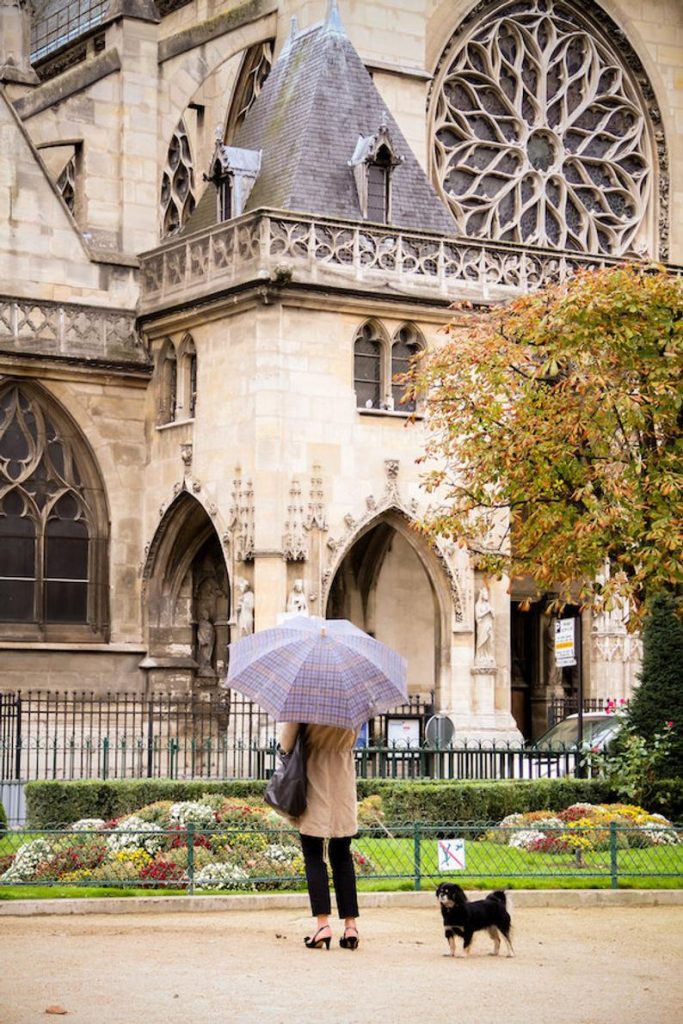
pixel 329 677
pixel 330 816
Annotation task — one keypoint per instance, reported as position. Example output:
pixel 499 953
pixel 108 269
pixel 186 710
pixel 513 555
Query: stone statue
pixel 245 607
pixel 296 602
pixel 206 641
pixel 483 615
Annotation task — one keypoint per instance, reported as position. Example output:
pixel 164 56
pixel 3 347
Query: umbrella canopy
pixel 322 671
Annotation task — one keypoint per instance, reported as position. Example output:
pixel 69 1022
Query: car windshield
pixel 565 734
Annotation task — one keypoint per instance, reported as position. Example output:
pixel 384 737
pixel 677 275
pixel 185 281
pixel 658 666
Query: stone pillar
pixel 15 43
pixel 136 38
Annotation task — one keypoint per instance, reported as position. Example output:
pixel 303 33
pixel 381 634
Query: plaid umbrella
pixel 325 671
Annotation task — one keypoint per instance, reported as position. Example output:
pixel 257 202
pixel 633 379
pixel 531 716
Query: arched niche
pixel 186 597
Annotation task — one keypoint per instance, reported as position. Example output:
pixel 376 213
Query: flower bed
pixel 584 827
pixel 236 844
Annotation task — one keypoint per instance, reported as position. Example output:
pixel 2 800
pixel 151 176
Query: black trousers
pixel 343 875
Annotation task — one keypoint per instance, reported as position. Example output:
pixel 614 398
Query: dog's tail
pixel 501 897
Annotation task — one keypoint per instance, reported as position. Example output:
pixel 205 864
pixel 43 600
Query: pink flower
pixel 669 725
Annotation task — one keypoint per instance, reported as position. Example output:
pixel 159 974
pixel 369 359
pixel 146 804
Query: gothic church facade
pixel 224 228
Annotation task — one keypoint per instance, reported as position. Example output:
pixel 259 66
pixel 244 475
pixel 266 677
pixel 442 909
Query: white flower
pixel 87 824
pixel 543 824
pixel 525 838
pixel 222 876
pixel 27 859
pixel 191 811
pixel 278 853
pixel 511 821
pixel 660 835
pixel 133 833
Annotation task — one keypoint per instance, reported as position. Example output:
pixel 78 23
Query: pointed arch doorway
pixel 390 584
pixel 186 601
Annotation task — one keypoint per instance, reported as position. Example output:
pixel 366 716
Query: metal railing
pixel 229 858
pixel 217 758
pixel 85 735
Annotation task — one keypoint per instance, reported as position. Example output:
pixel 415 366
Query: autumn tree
pixel 554 435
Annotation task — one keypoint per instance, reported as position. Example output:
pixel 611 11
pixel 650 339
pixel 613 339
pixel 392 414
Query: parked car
pixel 599 729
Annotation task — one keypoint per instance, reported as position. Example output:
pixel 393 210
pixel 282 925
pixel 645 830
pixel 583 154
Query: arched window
pixel 167 369
pixel 379 171
pixel 53 524
pixel 177 183
pixel 407 343
pixel 367 366
pixel 224 195
pixel 187 383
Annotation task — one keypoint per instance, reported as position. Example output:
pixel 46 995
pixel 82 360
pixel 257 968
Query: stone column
pixel 136 38
pixel 15 43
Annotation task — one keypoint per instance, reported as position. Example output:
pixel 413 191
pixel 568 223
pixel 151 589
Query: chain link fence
pixel 233 857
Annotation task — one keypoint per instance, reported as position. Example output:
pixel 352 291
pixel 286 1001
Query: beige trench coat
pixel 331 810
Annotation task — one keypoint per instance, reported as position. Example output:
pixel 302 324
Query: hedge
pixel 51 804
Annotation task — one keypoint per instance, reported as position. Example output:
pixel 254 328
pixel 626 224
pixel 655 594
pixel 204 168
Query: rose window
pixel 539 135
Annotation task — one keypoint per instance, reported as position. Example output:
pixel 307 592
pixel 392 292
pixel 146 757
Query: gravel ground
pixel 584 965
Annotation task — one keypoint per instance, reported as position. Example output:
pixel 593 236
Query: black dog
pixel 463 918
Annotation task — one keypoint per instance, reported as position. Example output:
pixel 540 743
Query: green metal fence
pixel 415 855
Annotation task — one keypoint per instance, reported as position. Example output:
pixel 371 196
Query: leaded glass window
pixel 367 367
pixel 51 522
pixel 407 343
pixel 66 184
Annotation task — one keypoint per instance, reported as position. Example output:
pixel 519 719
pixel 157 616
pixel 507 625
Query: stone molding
pixel 213 28
pixel 73 81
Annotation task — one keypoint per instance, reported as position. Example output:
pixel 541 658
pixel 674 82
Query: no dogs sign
pixel 451 854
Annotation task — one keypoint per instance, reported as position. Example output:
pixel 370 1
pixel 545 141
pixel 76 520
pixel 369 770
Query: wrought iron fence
pixel 560 707
pixel 231 858
pixel 83 735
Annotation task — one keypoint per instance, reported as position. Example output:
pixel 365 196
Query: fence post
pixel 417 855
pixel 105 757
pixel 150 737
pixel 18 740
pixel 190 857
pixel 613 866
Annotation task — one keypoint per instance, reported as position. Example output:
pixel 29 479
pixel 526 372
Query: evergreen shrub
pixel 658 698
pixel 52 804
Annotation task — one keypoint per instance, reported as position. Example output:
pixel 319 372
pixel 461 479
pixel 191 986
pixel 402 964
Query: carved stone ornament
pixel 186 455
pixel 241 518
pixel 294 541
pixel 316 504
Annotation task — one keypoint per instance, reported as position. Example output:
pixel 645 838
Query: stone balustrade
pixel 68 330
pixel 271 247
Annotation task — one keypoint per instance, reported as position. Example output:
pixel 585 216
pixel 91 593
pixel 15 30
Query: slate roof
pixel 316 101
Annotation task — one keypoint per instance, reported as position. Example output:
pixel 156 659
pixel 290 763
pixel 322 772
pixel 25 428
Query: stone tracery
pixel 540 136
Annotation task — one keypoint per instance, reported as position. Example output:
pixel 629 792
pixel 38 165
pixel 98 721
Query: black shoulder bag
pixel 286 789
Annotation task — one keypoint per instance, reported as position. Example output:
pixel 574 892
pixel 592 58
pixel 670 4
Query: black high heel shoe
pixel 349 939
pixel 313 942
